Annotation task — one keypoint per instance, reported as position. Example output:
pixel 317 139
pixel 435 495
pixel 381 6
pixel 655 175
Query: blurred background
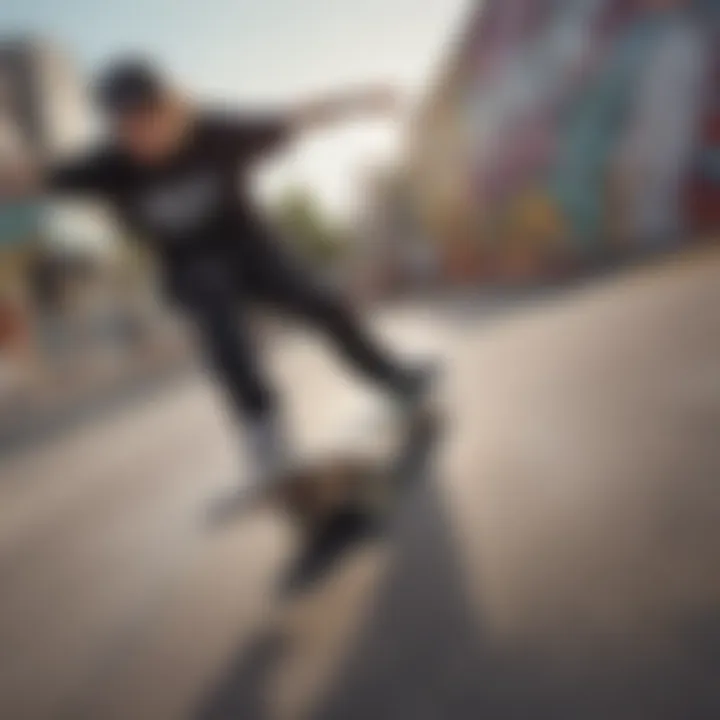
pixel 544 215
pixel 541 141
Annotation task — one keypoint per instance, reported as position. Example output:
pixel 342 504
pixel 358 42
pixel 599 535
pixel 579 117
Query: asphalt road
pixel 559 562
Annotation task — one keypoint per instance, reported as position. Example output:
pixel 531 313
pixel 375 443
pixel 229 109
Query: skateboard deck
pixel 344 498
pixel 345 501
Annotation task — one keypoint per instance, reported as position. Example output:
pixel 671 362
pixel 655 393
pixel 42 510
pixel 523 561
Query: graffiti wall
pixel 591 125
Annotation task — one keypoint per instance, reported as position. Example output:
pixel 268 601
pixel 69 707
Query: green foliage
pixel 301 219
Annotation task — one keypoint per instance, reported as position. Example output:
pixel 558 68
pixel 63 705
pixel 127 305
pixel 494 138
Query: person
pixel 178 175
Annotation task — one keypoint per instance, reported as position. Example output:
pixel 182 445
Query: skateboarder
pixel 178 175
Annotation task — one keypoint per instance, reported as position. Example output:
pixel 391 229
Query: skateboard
pixel 341 500
pixel 344 501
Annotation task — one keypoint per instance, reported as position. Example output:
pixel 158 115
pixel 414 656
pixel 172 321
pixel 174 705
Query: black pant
pixel 217 293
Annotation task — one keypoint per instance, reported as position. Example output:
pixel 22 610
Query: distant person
pixel 178 175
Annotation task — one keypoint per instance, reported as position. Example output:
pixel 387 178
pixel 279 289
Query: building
pixel 44 112
pixel 529 154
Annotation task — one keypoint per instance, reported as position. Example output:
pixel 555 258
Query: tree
pixel 299 216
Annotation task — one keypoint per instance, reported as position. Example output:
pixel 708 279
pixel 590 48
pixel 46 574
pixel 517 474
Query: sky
pixel 268 52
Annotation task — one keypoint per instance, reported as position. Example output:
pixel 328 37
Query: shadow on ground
pixel 424 654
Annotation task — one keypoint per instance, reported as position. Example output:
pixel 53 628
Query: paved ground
pixel 42 402
pixel 561 562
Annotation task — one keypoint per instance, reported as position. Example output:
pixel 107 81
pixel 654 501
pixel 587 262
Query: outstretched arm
pixel 333 109
pixel 94 174
pixel 19 182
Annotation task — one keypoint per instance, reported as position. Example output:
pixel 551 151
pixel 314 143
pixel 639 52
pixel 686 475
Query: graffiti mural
pixel 591 125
